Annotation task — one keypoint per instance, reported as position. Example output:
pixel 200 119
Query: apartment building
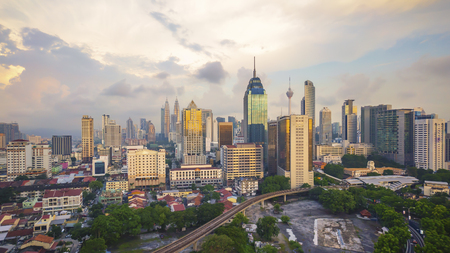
pixel 242 160
pixel 200 175
pixel 59 200
pixel 146 168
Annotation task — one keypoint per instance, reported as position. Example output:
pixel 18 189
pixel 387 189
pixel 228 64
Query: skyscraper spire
pixel 254 66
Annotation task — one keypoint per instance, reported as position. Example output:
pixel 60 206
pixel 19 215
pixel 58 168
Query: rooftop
pixel 62 193
pixel 436 182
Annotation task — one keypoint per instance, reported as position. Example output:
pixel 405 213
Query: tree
pixel 95 185
pixel 21 177
pixel 239 219
pixel 178 220
pixel 388 172
pixel 338 201
pixel 129 220
pixel 96 210
pixel 267 227
pixel 315 192
pixel 78 232
pixel 293 245
pixel 79 210
pixel 267 249
pixel 55 231
pixel 216 195
pixel 207 212
pixel 107 227
pixel 275 183
pixel 285 219
pixel 372 174
pixel 387 243
pixel 335 170
pixel 240 199
pixel 193 187
pixel 412 171
pixel 6 194
pixel 305 185
pixel 207 189
pixel 238 235
pixel 88 196
pixel 354 161
pixel 217 244
pixel 41 176
pixel 277 207
pixel 94 246
pixel 190 216
pixel 402 233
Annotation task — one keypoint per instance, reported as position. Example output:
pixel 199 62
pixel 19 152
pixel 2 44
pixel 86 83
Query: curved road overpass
pixel 194 236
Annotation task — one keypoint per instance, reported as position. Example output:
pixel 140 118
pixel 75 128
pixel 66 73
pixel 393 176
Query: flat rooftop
pixel 436 182
pixel 384 180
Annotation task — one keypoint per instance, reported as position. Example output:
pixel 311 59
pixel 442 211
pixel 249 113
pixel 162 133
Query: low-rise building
pixel 246 185
pixel 364 149
pixel 29 203
pixel 359 172
pixel 109 197
pixel 390 182
pixel 59 200
pixel 117 185
pixel 334 159
pixel 175 193
pixel 432 187
pixel 43 225
pixel 200 175
pixel 333 150
pixel 43 241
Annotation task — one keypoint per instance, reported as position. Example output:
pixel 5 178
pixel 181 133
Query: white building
pixel 19 158
pixel 334 159
pixel 325 134
pixel 429 144
pixel 246 185
pixel 41 159
pixel 200 175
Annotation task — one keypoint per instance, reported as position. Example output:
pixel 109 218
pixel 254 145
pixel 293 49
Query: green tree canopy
pixel 354 161
pixel 55 231
pixel 94 246
pixel 207 212
pixel 338 201
pixel 285 219
pixel 238 219
pixel 217 244
pixel 335 170
pixel 107 227
pixel 21 177
pixel 238 235
pixel 6 194
pixel 388 172
pixel 387 243
pixel 275 183
pixel 216 195
pixel 95 185
pixel 267 227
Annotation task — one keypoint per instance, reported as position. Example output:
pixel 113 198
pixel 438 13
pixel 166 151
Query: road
pixel 209 227
pixel 417 237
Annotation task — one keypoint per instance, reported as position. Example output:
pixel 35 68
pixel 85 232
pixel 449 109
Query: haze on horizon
pixel 61 60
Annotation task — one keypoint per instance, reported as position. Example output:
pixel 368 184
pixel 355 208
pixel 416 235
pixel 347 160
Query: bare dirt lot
pixel 303 215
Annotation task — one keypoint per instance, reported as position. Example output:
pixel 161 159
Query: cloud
pixel 326 100
pixel 180 91
pixel 358 86
pixel 227 42
pixel 171 66
pixel 36 39
pixel 406 94
pixel 212 72
pixel 165 21
pixel 9 74
pixel 120 89
pixel 162 75
pixel 428 68
pixel 164 89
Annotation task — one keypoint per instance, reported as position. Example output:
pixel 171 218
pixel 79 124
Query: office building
pixel 163 121
pixel 395 135
pixel 193 140
pixel 329 150
pixel 225 133
pixel 364 149
pixel 11 131
pixel 272 147
pixel 100 166
pixel 335 130
pixel 131 133
pixel 255 113
pixel 208 127
pixel 173 123
pixel 432 187
pixel 166 119
pixel 242 160
pixel 18 158
pixel 429 144
pixel 310 103
pixel 447 141
pixel 246 186
pixel 33 139
pixel 62 145
pixel 294 155
pixel 146 168
pixel 87 138
pixel 200 175
pixel 112 134
pixel 2 141
pixel 151 133
pixel 325 130
pixel 105 120
pixel 220 119
pixel 349 121
pixel 143 124
pixel 176 110
pixel 369 116
pixel 232 119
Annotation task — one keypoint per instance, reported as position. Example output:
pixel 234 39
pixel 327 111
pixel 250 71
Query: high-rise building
pixel 336 130
pixel 208 130
pixel 176 111
pixel 232 119
pixel 369 116
pixel 302 106
pixel 272 147
pixel 173 123
pixel 18 158
pixel 166 119
pixel 255 114
pixel 193 140
pixel 33 139
pixel 220 119
pixel 131 133
pixel 242 160
pixel 105 120
pixel 395 135
pixel 310 100
pixel 41 159
pixel 163 121
pixel 447 141
pixel 146 168
pixel 113 134
pixel 87 138
pixel 325 131
pixel 294 154
pixel 349 121
pixel 289 94
pixel 225 133
pixel 143 125
pixel 429 144
pixel 2 140
pixel 11 131
pixel 62 145
pixel 151 133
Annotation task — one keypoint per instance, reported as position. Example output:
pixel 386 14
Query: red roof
pixel 179 207
pixel 24 182
pixel 62 193
pixel 365 213
pixel 18 233
pixel 23 221
pixel 3 250
pixel 167 198
pixel 43 238
pixel 228 205
pixel 89 179
pixel 46 216
pixel 9 222
pixel 53 181
pixel 38 204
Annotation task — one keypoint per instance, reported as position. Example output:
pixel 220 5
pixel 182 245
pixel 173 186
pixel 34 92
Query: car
pixel 68 236
pixel 414 241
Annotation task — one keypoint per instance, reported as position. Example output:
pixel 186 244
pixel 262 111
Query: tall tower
pixel 429 143
pixel 87 138
pixel 255 113
pixel 176 110
pixel 349 121
pixel 193 138
pixel 325 135
pixel 105 120
pixel 130 129
pixel 166 119
pixel 163 123
pixel 289 94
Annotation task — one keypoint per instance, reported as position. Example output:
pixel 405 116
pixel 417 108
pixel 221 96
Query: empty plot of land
pixel 336 233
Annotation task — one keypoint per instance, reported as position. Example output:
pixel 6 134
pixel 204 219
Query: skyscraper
pixel 294 149
pixel 131 134
pixel 163 122
pixel 429 143
pixel 105 120
pixel 2 140
pixel 176 111
pixel 255 113
pixel 232 119
pixel 302 106
pixel 19 158
pixel 325 133
pixel 349 121
pixel 61 144
pixel 151 133
pixel 113 134
pixel 11 131
pixel 369 115
pixel 208 128
pixel 87 138
pixel 193 141
pixel 241 160
pixel 395 135
pixel 289 94
pixel 173 123
pixel 166 119
pixel 143 125
pixel 272 147
pixel 335 128
pixel 310 107
pixel 225 133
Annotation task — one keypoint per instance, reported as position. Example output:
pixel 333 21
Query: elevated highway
pixel 206 229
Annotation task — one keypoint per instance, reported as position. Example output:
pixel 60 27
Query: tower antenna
pixel 254 66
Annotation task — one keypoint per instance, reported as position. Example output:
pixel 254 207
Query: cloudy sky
pixel 60 60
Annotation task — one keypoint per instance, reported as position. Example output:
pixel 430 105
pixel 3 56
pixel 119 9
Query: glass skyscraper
pixel 255 114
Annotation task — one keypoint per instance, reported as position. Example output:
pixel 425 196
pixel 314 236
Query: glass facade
pixel 99 168
pixel 193 136
pixel 225 133
pixel 272 148
pixel 284 141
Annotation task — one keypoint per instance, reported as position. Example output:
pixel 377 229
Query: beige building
pixel 18 158
pixel 146 168
pixel 59 200
pixel 241 160
pixel 87 138
pixel 323 150
pixel 117 185
pixel 41 159
pixel 2 140
pixel 295 144
pixel 33 139
pixel 200 175
pixel 432 187
pixel 359 172
pixel 246 186
pixel 193 141
pixel 364 149
pixel 113 139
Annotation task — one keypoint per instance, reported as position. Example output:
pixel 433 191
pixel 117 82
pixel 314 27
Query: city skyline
pixel 41 59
